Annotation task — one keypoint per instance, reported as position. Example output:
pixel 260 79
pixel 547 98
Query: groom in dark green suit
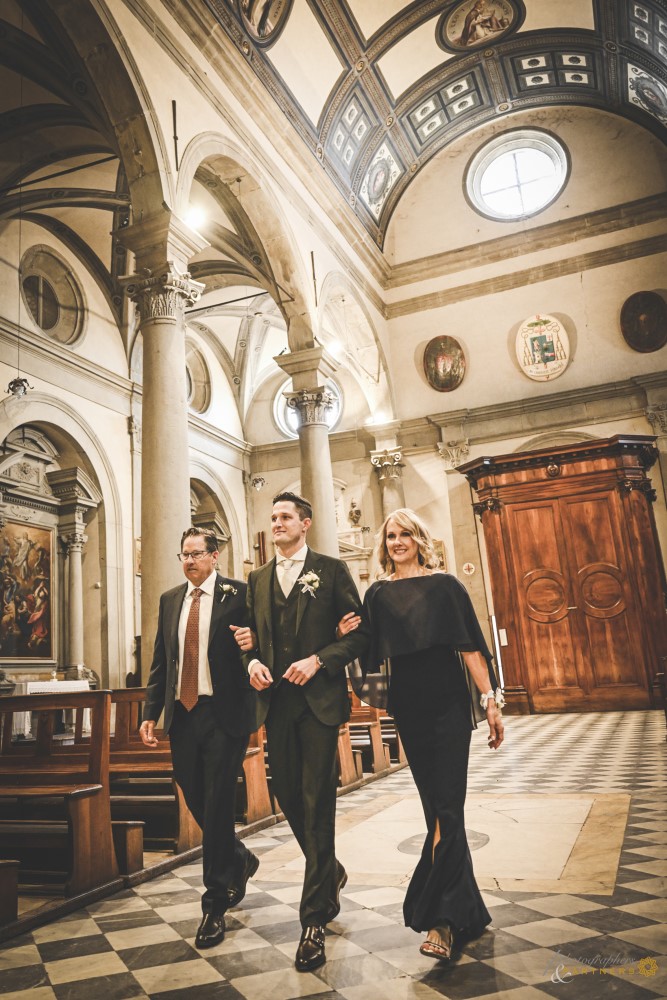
pixel 295 661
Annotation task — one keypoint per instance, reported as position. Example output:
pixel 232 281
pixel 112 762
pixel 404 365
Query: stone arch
pixel 554 439
pixel 361 328
pixel 45 412
pixel 216 489
pixel 99 41
pixel 262 210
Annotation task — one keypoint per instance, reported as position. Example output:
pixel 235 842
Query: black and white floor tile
pixel 140 943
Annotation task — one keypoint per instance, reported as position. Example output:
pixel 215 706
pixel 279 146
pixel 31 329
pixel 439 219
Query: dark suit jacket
pixel 233 697
pixel 317 618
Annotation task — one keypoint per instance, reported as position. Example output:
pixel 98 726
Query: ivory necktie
pixel 286 576
pixel 190 671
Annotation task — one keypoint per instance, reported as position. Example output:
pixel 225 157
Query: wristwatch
pixel 320 663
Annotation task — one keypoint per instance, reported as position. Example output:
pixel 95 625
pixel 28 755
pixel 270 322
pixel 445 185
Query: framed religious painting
pixel 644 322
pixel 264 19
pixel 27 627
pixel 444 364
pixel 473 24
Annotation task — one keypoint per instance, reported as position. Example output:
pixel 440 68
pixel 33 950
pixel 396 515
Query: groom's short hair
pixel 302 505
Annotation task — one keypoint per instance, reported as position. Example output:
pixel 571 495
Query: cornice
pixel 38 351
pixel 589 224
pixel 529 276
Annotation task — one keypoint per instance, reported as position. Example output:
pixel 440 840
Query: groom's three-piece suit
pixel 302 722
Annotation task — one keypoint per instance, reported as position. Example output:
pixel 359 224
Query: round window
pixel 287 418
pixel 41 301
pixel 517 174
pixel 52 294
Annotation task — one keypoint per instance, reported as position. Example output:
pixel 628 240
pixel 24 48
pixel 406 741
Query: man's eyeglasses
pixel 182 556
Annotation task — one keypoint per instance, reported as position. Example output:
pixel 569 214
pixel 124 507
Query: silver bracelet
pixel 497 697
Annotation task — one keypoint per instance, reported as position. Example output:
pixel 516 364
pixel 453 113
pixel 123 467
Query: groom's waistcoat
pixel 284 627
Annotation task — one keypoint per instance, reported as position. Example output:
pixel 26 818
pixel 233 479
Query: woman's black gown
pixel 419 624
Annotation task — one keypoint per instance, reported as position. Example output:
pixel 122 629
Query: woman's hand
pixel 348 623
pixel 496 727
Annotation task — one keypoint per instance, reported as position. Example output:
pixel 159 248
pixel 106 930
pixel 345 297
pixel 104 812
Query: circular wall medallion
pixel 265 19
pixel 644 322
pixel 378 179
pixel 475 23
pixel 444 364
pixel 652 94
pixel 542 348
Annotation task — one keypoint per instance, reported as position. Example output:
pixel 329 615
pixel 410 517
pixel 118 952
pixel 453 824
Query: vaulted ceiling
pixel 375 88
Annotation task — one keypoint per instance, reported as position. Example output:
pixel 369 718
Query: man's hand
pixel 496 727
pixel 245 637
pixel 348 623
pixel 301 671
pixel 260 676
pixel 146 732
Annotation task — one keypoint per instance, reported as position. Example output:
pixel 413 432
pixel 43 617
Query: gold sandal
pixel 438 944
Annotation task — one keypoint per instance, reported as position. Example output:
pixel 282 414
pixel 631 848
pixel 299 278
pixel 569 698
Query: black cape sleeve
pixel 408 616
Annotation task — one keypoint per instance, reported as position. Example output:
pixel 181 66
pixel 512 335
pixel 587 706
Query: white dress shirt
pixel 205 609
pixel 290 568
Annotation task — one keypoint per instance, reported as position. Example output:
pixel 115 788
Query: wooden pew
pixel 366 735
pixel 253 800
pixel 70 845
pixel 392 740
pixel 349 761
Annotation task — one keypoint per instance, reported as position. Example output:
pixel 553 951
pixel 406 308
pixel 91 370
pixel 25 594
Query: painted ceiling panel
pixel 418 49
pixel 305 60
pixel 370 15
pixel 564 14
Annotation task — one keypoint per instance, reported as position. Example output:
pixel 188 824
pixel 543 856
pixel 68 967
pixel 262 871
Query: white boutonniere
pixel 309 582
pixel 228 589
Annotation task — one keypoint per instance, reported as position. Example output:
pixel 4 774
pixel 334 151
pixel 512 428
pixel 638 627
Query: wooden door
pixel 570 567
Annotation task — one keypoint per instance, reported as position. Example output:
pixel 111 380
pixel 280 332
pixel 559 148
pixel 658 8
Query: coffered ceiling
pixel 375 88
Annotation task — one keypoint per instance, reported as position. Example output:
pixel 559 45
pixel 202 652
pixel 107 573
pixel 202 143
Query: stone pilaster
pixel 73 545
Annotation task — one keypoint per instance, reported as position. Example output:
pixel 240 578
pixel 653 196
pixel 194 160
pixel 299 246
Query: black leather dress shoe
pixel 341 881
pixel 236 891
pixel 211 930
pixel 310 953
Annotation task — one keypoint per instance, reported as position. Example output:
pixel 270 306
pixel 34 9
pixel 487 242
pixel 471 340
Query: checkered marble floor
pixel 541 944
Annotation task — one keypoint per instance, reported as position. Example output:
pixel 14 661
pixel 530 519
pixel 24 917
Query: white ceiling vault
pixel 375 88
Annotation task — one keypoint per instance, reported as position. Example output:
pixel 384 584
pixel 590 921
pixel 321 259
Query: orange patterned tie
pixel 190 671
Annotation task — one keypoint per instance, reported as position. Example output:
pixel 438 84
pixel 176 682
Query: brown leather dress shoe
pixel 211 930
pixel 237 889
pixel 310 953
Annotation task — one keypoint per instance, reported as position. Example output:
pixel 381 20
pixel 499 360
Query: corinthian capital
pixel 164 295
pixel 312 405
pixel 453 452
pixel 73 542
pixel 657 416
pixel 387 463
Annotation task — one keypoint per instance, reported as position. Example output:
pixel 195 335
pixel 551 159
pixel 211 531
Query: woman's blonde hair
pixel 405 518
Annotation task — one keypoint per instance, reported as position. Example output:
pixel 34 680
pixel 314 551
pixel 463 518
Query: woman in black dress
pixel 424 628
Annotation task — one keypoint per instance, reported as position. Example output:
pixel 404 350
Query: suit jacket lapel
pixel 174 614
pixel 264 597
pixel 304 598
pixel 219 598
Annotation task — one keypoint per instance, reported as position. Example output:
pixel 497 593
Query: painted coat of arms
pixel 542 348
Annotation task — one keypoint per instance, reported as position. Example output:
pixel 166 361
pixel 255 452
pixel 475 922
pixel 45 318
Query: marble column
pixel 389 468
pixel 311 401
pixel 162 288
pixel 73 544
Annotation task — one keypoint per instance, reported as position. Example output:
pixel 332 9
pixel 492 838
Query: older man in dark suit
pixel 198 678
pixel 295 660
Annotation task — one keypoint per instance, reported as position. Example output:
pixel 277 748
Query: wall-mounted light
pixel 257 483
pixel 18 387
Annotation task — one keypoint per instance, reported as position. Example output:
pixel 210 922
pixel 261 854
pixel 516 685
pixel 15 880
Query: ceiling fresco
pixel 376 88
